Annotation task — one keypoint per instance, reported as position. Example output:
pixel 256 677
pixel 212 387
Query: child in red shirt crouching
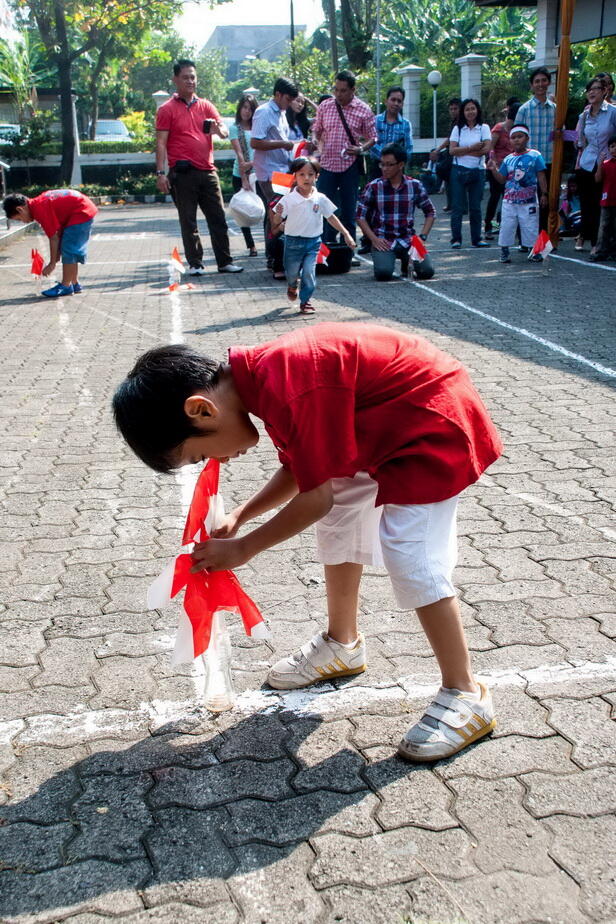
pixel 377 433
pixel 66 217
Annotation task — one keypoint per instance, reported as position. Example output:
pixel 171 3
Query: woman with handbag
pixel 469 142
pixel 239 135
pixel 596 125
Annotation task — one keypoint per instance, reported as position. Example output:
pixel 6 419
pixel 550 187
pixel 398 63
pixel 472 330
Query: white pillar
pixel 470 76
pixel 411 83
pixel 546 48
pixel 160 97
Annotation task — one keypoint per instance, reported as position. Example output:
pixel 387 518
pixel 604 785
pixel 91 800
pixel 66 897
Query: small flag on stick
pixel 418 249
pixel 282 182
pixel 300 149
pixel 176 261
pixel 38 263
pixel 543 246
pixel 206 593
pixel 323 254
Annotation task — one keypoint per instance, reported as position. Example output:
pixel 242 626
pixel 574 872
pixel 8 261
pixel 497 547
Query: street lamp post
pixel 434 79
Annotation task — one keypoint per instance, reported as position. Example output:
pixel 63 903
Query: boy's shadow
pixel 179 806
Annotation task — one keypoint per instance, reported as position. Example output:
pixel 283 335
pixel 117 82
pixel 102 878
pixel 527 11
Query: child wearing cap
pixel 377 433
pixel 521 173
pixel 66 217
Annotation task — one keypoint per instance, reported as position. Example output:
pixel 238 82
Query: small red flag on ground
pixel 205 592
pixel 543 246
pixel 37 262
pixel 418 249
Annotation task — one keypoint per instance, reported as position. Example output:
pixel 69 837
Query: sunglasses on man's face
pixel 387 165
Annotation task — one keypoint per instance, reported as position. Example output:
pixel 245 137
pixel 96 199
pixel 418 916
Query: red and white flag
pixel 282 182
pixel 543 246
pixel 205 593
pixel 37 262
pixel 323 254
pixel 301 149
pixel 175 262
pixel 418 249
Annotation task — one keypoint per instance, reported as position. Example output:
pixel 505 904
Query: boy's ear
pixel 200 410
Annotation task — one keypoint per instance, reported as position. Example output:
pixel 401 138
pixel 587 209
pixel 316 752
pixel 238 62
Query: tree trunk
pixel 63 60
pixel 358 23
pixel 333 38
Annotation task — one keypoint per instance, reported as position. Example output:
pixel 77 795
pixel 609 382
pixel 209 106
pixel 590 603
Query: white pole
pixel 434 114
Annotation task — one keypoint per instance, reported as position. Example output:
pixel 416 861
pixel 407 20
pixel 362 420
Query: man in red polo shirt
pixel 184 128
pixel 377 433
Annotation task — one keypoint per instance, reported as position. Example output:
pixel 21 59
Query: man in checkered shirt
pixel 386 211
pixel 339 176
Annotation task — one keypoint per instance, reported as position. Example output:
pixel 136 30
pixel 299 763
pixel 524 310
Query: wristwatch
pixel 424 237
pixel 160 173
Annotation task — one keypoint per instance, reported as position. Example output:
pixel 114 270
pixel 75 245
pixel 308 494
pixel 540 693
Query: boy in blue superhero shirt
pixel 521 172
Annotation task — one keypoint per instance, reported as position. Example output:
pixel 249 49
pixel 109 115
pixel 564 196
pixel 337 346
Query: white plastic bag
pixel 247 208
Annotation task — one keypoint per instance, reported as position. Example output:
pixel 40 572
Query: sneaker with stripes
pixel 453 720
pixel 321 658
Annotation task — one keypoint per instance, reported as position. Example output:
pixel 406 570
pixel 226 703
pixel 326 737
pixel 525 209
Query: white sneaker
pixel 231 268
pixel 319 659
pixel 196 271
pixel 453 720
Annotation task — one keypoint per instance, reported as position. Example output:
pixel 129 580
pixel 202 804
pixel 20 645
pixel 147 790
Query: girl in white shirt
pixel 469 142
pixel 303 210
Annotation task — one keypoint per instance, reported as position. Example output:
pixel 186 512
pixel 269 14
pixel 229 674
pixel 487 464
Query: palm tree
pixel 23 66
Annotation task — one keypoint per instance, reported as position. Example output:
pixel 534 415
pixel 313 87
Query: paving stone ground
pixel 123 799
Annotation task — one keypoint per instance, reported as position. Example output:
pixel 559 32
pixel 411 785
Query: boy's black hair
pixel 396 151
pixel 148 405
pixel 396 90
pixel 347 77
pixel 611 140
pixel 300 162
pixel 512 110
pixel 286 86
pixel 181 64
pixel 512 100
pixel 323 97
pixel 539 70
pixel 12 202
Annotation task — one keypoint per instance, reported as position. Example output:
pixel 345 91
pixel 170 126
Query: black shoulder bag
pixel 361 165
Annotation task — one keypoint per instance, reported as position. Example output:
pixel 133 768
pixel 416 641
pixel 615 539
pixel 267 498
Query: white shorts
pixel 526 216
pixel 416 543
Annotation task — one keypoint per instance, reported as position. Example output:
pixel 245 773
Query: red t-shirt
pixel 337 399
pixel 502 147
pixel 608 195
pixel 184 122
pixel 58 208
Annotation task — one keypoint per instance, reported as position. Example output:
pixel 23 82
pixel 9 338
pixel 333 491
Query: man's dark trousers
pixel 200 188
pixel 342 188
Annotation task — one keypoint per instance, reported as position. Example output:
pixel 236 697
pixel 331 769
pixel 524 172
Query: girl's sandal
pixel 253 252
pixel 291 293
pixel 307 308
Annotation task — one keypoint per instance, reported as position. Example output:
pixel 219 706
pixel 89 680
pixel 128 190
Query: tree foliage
pixel 23 67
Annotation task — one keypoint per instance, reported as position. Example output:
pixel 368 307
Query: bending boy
pixel 377 433
pixel 66 217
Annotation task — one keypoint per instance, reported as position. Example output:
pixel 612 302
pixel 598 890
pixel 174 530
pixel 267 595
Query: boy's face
pixel 518 142
pixel 612 150
pixel 226 433
pixel 22 214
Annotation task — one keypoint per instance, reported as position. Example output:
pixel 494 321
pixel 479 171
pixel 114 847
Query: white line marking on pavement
pixel 557 256
pixel 120 321
pixel 81 725
pixel 549 344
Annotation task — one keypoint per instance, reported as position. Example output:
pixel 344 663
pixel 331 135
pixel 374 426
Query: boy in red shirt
pixel 66 217
pixel 606 175
pixel 377 432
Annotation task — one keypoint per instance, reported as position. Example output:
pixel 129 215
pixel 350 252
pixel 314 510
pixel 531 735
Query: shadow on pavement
pixel 166 811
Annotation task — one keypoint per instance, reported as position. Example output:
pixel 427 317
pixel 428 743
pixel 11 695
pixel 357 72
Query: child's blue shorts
pixel 74 243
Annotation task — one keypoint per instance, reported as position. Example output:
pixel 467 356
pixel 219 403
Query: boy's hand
pixel 48 270
pixel 218 555
pixel 229 525
pixel 279 209
pixel 491 164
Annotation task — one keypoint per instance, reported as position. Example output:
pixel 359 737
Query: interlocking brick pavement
pixel 121 798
